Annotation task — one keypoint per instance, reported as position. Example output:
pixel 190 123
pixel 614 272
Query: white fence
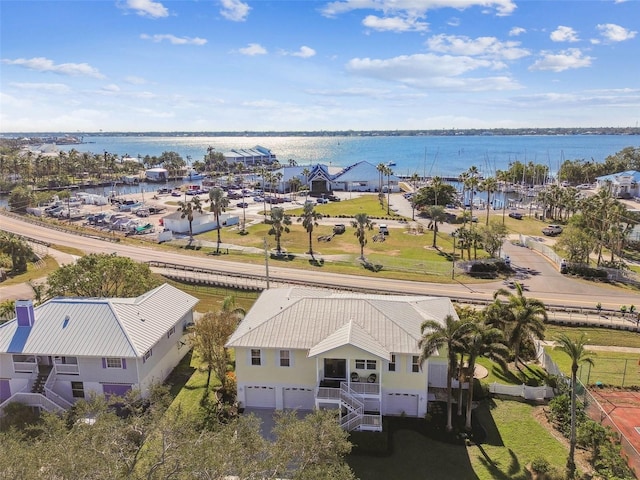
pixel 524 391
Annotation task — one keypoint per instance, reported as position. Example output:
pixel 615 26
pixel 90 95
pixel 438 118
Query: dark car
pixel 339 228
pixel 516 215
pixel 242 205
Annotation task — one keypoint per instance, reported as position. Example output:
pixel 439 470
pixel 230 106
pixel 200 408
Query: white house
pixel 305 349
pixel 364 177
pixel 623 184
pixel 66 348
pixel 202 222
pixel 157 174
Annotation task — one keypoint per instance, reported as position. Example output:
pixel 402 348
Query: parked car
pixel 516 215
pixel 322 200
pixel 552 230
pixel 383 229
pixel 242 204
pixel 334 198
pixel 339 228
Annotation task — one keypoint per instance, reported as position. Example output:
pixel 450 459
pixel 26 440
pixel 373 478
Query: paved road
pixel 548 285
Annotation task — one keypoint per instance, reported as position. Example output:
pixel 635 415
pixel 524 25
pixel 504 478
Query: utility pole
pixel 266 260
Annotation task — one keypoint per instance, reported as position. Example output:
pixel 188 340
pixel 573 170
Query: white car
pixel 552 230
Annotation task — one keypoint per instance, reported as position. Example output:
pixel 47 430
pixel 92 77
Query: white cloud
pixel 415 7
pixel 516 31
pixel 148 8
pixel 564 34
pixel 253 49
pixel 559 62
pixel 615 33
pixel 489 47
pixel 59 88
pixel 42 64
pixel 132 79
pixel 234 10
pixel 394 24
pixel 112 88
pixel 174 40
pixel 429 70
pixel 304 52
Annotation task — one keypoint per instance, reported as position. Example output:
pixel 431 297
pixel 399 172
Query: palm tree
pixel 415 179
pixel 388 172
pixel 489 185
pixel 449 336
pixel 520 317
pixel 309 219
pixel 362 223
pixel 306 172
pixel 438 216
pixel 576 349
pixel 279 223
pixel 219 203
pixel 189 209
pixel 482 341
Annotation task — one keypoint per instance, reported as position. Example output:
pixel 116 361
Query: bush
pixel 540 466
pixel 587 272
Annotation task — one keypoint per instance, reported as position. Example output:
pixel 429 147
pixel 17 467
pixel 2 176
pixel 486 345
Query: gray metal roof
pixel 313 319
pixel 116 327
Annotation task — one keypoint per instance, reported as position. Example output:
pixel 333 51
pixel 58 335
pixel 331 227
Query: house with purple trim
pixel 67 348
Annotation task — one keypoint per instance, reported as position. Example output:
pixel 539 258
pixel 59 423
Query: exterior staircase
pixel 355 408
pixel 41 379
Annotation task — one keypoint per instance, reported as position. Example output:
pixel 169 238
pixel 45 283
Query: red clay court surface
pixel 623 407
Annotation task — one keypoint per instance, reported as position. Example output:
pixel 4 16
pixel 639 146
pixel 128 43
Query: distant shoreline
pixel 349 133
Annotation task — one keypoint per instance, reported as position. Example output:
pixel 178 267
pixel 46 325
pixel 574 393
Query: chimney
pixel 24 313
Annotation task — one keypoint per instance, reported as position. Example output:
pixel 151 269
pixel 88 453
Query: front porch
pixel 359 404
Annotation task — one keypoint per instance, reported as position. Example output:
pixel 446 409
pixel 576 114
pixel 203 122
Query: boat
pixel 193 174
pixel 156 175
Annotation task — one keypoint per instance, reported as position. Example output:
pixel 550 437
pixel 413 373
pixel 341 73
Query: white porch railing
pixel 66 369
pixel 25 367
pixel 32 400
pixel 328 393
pixel 366 388
pixel 49 393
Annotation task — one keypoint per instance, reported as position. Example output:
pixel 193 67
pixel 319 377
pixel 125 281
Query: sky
pixel 277 65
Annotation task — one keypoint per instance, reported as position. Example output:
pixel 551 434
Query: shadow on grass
pixel 180 375
pixel 411 448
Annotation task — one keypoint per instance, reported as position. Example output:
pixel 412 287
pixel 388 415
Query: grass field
pixel 596 336
pixel 610 368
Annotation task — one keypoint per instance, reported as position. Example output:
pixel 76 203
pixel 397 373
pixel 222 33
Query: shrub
pixel 540 466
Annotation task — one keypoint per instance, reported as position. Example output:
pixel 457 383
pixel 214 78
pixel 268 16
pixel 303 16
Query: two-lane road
pixel 547 285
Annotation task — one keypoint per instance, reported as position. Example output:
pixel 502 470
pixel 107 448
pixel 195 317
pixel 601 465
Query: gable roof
pixel 319 320
pixel 361 171
pixel 614 177
pixel 108 327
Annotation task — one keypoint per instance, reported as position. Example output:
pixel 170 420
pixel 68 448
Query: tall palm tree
pixel 436 336
pixel 362 223
pixel 309 219
pixel 489 185
pixel 576 349
pixel 380 167
pixel 218 204
pixel 306 172
pixel 415 180
pixel 279 223
pixel 482 341
pixel 388 172
pixel 520 317
pixel 189 209
pixel 471 184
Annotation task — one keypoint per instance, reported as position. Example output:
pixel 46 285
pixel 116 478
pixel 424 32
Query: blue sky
pixel 275 65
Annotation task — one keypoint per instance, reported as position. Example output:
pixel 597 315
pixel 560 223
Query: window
pixel 365 364
pixel 147 354
pixel 392 363
pixel 415 364
pixel 285 358
pixel 112 362
pixel 256 357
pixel 171 331
pixel 77 389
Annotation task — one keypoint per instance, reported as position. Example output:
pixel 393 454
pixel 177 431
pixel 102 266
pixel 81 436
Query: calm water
pixel 445 156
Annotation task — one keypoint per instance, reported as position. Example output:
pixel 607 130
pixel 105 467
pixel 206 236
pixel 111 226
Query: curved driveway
pixel 547 285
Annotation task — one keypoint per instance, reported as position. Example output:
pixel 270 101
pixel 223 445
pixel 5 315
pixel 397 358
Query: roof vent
pixel 66 322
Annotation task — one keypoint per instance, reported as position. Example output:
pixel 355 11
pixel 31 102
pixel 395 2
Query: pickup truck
pixel 552 230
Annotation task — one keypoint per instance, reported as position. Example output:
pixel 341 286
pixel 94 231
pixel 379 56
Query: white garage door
pixel 399 403
pixel 260 396
pixel 300 398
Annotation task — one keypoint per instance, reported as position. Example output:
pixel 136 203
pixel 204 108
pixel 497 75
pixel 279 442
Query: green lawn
pixel 596 336
pixel 512 377
pixel 610 368
pixel 514 439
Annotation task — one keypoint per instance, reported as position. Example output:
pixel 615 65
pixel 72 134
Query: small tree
pixel 218 204
pixel 189 209
pixel 208 337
